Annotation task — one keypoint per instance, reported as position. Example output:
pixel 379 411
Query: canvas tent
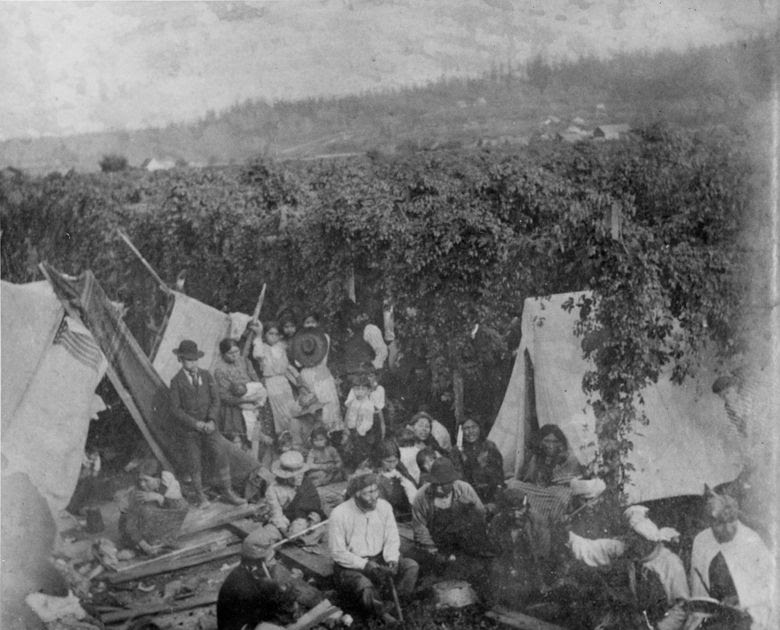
pixel 51 366
pixel 191 319
pixel 688 441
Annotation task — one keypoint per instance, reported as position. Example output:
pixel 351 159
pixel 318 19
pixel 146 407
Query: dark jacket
pixel 190 405
pixel 247 598
pixel 481 465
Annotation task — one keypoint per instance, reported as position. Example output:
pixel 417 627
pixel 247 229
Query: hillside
pixel 701 87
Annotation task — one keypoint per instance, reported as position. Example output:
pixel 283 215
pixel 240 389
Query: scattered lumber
pixel 159 609
pixel 166 565
pixel 318 565
pixel 216 515
pixel 316 615
pixel 516 619
pixel 200 544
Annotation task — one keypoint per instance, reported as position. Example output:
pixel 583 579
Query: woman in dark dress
pixel 479 461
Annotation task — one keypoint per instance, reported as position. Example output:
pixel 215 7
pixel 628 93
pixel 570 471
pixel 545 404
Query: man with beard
pixel 365 546
pixel 448 519
pixel 730 563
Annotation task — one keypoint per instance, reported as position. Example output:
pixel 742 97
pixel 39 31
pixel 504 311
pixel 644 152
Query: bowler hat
pixel 443 471
pixel 188 350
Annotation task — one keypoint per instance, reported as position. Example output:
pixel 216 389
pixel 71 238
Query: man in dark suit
pixel 195 408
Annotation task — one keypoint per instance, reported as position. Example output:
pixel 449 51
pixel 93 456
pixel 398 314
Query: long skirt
pixel 320 381
pixel 283 407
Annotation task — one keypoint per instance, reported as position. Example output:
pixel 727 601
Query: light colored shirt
pixel 669 568
pixel 373 337
pixel 355 535
pixel 279 497
pixel 595 552
pixel 359 414
pixel 751 566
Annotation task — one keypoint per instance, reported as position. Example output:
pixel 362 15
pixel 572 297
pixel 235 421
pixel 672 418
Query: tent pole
pixel 128 401
pixel 143 260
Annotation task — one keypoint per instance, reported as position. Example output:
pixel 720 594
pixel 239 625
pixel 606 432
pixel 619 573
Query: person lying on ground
pixel 152 513
pixel 195 408
pixel 324 461
pixel 396 485
pixel 365 546
pixel 293 498
pixel 730 563
pixel 479 461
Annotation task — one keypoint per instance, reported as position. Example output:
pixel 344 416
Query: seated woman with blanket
pixel 546 478
pixel 152 513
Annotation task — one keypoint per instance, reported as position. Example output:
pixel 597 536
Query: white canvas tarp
pixel 48 395
pixel 688 441
pixel 205 325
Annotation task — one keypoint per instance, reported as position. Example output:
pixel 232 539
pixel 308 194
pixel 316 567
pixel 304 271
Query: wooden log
pixel 519 620
pixel 159 609
pixel 166 566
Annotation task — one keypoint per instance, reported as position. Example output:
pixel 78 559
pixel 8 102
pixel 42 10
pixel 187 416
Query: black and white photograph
pixel 390 314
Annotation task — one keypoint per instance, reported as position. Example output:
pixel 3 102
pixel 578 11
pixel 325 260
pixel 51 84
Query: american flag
pixel 80 345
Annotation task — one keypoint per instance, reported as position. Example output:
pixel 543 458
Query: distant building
pixel 153 164
pixel 601 107
pixel 611 132
pixel 572 133
pixel 578 121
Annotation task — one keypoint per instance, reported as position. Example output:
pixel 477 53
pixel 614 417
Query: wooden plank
pixel 202 544
pixel 312 564
pixel 517 619
pixel 216 515
pixel 166 608
pixel 167 566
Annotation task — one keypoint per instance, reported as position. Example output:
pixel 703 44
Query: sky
pixel 74 67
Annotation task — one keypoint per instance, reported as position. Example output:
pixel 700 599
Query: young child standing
pixel 325 465
pixel 359 418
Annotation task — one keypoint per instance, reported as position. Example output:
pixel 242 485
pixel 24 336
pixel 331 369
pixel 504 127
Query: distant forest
pixel 509 104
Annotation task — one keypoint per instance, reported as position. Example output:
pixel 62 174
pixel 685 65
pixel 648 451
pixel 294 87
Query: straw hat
pixel 289 464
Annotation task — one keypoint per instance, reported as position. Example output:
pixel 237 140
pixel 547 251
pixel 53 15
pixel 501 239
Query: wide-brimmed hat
pixel 309 347
pixel 443 471
pixel 289 464
pixel 188 350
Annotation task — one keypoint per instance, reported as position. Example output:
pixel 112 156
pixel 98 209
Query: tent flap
pixel 687 442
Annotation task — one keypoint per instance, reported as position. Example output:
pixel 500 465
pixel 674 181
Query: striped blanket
pixel 550 502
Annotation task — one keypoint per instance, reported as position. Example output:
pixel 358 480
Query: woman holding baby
pixel 244 412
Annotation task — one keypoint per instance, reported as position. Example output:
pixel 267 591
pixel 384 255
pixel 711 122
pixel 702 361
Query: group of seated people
pixel 508 538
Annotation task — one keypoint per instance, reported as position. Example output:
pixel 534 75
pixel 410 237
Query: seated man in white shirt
pixel 365 546
pixel 730 562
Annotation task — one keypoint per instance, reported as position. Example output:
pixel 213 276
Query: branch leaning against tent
pixel 255 315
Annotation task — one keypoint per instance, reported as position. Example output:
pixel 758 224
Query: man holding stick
pixel 365 546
